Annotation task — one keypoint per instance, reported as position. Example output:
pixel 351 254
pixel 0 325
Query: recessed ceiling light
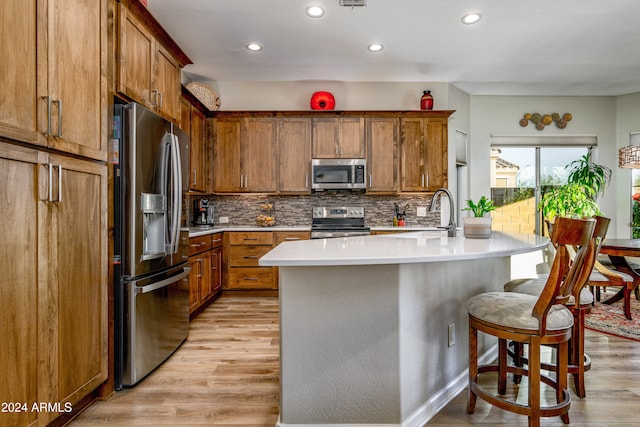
pixel 254 47
pixel 375 47
pixel 471 18
pixel 314 11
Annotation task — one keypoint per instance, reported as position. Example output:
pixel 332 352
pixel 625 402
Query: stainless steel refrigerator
pixel 151 294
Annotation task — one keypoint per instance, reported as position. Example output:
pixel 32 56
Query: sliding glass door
pixel 520 176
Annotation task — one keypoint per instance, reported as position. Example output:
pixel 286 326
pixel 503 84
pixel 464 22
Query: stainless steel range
pixel 338 221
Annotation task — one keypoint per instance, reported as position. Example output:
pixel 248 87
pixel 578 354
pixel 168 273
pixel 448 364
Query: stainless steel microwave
pixel 338 174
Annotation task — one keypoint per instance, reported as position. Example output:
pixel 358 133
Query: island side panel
pixel 431 297
pixel 339 345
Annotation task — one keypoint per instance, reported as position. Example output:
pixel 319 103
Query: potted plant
pixel 478 226
pixel 577 198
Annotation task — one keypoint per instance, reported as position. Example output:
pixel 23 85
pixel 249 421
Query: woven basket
pixel 204 94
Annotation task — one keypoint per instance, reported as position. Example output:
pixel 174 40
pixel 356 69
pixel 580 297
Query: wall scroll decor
pixel 543 120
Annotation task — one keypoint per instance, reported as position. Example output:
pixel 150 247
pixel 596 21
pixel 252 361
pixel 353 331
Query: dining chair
pixel 534 321
pixel 579 303
pixel 606 277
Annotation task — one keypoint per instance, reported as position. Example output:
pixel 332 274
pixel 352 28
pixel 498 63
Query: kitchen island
pixel 374 328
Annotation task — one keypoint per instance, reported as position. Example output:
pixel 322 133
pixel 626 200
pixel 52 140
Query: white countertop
pixel 201 231
pixel 399 248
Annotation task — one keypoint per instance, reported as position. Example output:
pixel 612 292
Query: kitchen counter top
pixel 201 231
pixel 400 248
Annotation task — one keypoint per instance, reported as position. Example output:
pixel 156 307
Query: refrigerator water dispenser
pixel 154 225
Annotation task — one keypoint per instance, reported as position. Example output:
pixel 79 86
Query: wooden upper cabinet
pixel 338 137
pixel 148 72
pixel 294 147
pixel 185 115
pixel 56 81
pixel 381 136
pixel 259 155
pixel 136 53
pixel 167 84
pixel 437 164
pixel 244 155
pixel 423 154
pixel 19 72
pixel 226 155
pixel 197 137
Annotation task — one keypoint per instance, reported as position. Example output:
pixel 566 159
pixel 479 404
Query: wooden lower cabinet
pixel 205 261
pixel 53 261
pixel 242 253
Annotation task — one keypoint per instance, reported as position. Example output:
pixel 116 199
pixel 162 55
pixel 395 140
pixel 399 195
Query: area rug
pixel 610 318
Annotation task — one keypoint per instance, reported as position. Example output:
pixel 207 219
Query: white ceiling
pixel 542 47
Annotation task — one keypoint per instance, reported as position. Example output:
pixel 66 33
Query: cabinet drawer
pixel 251 278
pixel 251 238
pixel 246 256
pixel 199 244
pixel 288 236
pixel 216 240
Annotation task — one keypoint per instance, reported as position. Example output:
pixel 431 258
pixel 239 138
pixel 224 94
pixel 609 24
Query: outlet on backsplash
pixel 223 220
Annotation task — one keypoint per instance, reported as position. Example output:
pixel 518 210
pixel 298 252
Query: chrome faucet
pixel 451 228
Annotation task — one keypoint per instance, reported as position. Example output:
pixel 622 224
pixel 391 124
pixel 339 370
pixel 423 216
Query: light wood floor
pixel 226 374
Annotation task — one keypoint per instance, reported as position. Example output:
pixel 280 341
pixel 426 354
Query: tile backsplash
pixel 295 210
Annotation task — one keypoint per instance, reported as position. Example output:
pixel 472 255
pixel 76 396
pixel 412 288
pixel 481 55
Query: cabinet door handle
pixel 51 167
pixel 50 182
pixel 201 262
pixel 154 92
pixel 249 238
pixel 422 180
pixel 59 184
pixel 160 99
pixel 195 177
pixel 251 257
pixel 47 132
pixel 306 181
pixel 217 240
pixel 255 279
pixel 291 238
pixel 427 175
pixel 59 103
pixel 370 180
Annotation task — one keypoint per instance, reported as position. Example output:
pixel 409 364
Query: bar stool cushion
pixel 512 309
pixel 535 286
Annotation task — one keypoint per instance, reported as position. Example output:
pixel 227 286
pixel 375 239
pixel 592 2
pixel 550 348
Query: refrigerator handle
pixel 161 284
pixel 176 195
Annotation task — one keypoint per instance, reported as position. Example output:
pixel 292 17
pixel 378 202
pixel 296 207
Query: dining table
pixel 619 251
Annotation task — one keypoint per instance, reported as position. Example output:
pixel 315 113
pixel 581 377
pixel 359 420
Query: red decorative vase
pixel 426 101
pixel 322 101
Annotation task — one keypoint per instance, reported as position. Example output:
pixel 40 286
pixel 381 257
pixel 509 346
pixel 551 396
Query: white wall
pixel 501 115
pixel 286 96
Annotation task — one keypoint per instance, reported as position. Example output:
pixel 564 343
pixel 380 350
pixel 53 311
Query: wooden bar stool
pixel 579 303
pixel 534 321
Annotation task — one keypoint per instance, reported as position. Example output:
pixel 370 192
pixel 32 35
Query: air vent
pixel 353 3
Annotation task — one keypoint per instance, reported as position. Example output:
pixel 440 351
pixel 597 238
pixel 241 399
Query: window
pixel 521 174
